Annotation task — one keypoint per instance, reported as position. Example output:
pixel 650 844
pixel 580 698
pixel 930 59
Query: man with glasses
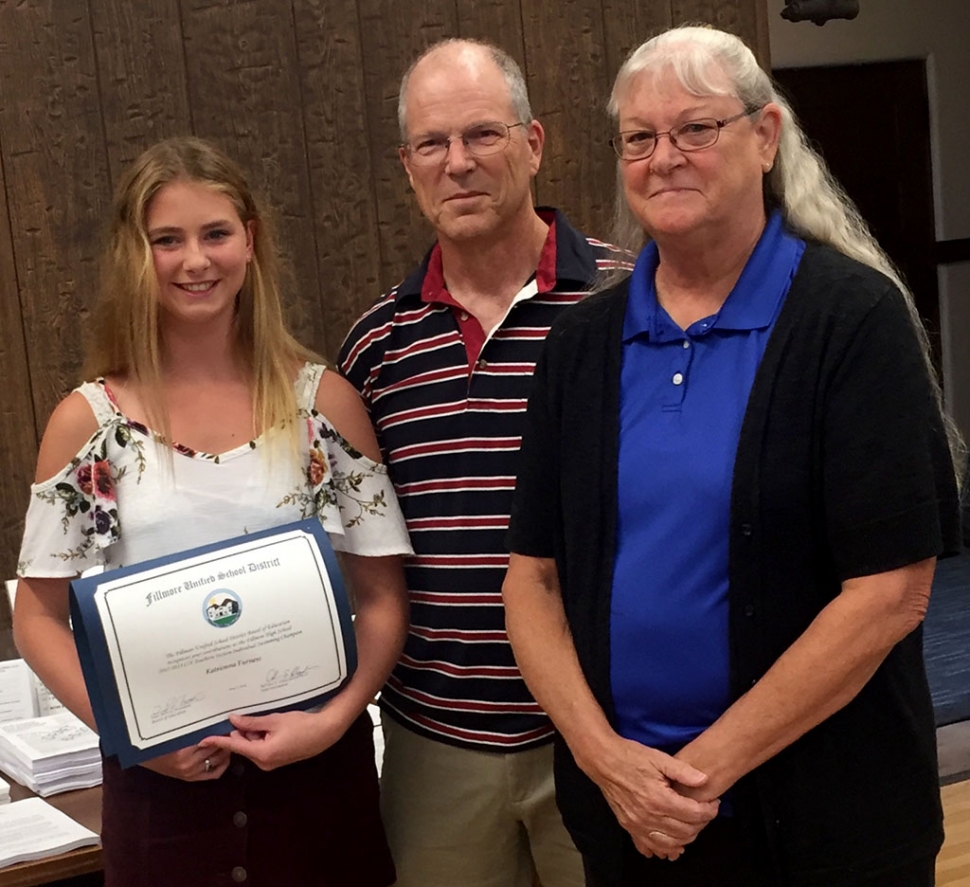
pixel 444 363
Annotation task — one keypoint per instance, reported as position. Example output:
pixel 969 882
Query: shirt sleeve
pixel 71 517
pixel 353 495
pixel 362 352
pixel 889 486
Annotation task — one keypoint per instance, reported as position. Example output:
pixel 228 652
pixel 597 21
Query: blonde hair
pixel 710 62
pixel 126 336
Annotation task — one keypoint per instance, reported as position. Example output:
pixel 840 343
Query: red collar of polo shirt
pixel 433 288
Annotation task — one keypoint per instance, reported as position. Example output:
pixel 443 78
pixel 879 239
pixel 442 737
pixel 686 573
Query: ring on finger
pixel 208 765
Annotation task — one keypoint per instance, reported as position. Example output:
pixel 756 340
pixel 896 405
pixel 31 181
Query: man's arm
pixel 362 351
pixel 635 780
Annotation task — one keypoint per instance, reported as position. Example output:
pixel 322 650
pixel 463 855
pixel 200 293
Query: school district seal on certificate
pixel 222 608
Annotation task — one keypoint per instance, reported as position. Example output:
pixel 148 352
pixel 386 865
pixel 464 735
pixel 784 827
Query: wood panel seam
pixel 311 195
pixel 97 80
pixel 369 119
pixel 185 67
pixel 20 298
pixel 525 74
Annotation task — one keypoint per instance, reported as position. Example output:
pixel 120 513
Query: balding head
pixel 471 55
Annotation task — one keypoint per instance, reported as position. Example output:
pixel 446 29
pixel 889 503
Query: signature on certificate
pixel 175 705
pixel 280 677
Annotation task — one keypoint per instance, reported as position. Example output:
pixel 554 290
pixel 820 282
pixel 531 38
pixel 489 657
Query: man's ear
pixel 537 140
pixel 402 152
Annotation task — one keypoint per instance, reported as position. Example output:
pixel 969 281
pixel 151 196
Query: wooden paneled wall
pixel 304 94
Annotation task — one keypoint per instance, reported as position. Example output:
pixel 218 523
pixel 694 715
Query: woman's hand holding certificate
pixel 192 764
pixel 275 740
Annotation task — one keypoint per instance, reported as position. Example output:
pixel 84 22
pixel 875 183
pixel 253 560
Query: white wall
pixel 939 31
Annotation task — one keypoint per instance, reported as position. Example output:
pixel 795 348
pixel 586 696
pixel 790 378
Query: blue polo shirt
pixel 683 395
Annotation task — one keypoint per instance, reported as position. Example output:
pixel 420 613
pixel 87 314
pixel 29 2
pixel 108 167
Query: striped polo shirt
pixel 448 403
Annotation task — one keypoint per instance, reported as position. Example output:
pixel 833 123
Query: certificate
pixel 171 647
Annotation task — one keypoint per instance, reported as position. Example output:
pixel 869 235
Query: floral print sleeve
pixel 350 494
pixel 73 516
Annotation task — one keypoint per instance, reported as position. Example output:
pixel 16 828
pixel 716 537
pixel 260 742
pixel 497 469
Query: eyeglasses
pixel 694 135
pixel 479 140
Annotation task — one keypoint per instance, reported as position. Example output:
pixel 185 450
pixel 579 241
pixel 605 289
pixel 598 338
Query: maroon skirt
pixel 315 823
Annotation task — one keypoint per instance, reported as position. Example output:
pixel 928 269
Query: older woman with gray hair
pixel 735 481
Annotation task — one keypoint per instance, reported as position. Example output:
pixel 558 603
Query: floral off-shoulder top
pixel 122 500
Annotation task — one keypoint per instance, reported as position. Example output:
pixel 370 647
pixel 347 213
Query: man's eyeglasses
pixel 479 140
pixel 694 135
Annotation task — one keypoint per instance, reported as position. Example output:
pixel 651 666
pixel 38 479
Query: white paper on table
pixel 17 699
pixel 56 782
pixel 49 755
pixel 32 829
pixel 55 736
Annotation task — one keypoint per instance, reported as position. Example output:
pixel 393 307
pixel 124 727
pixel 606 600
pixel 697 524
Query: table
pixel 84 806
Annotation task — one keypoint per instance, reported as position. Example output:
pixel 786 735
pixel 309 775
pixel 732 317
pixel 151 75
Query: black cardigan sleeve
pixel 536 507
pixel 886 464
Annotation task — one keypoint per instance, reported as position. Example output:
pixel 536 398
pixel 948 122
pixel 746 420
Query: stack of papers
pixel 32 829
pixel 49 755
pixel 4 792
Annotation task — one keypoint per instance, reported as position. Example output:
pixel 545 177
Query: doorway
pixel 871 122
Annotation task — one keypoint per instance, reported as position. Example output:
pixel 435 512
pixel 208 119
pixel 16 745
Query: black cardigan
pixel 842 470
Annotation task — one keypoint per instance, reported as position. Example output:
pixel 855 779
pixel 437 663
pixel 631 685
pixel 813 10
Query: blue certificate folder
pixel 99 675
